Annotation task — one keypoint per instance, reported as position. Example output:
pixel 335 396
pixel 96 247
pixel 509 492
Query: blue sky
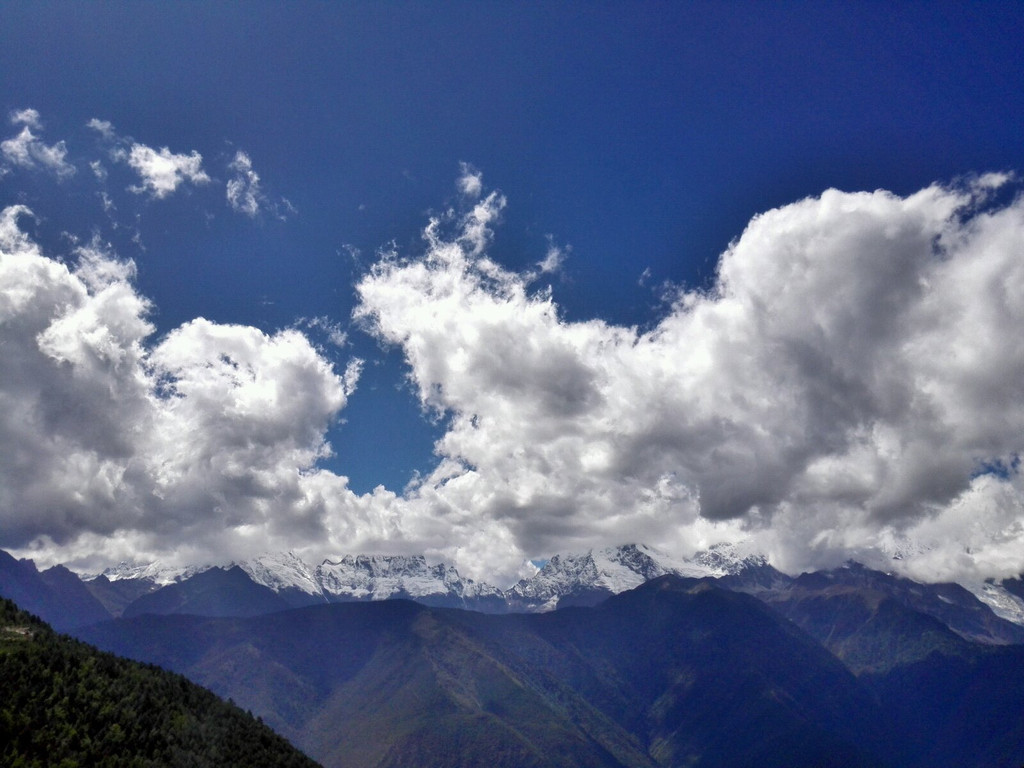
pixel 636 140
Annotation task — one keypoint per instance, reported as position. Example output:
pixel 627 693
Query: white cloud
pixel 27 150
pixel 470 181
pixel 245 194
pixel 163 171
pixel 852 369
pixel 334 333
pixel 243 191
pixel 203 443
pixel 852 384
pixel 98 170
pixel 27 117
pixel 554 258
pixel 103 127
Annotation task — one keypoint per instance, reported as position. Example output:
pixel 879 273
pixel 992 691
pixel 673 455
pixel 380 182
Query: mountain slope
pixel 962 711
pixel 64 703
pixel 117 594
pixel 722 680
pixel 213 592
pixel 875 622
pixel 675 672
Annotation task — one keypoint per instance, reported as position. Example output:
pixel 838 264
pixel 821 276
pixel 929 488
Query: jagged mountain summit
pixel 370 577
pixel 277 581
pixel 588 578
pixel 283 577
pixel 380 577
pixel 572 579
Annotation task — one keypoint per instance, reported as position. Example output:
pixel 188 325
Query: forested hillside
pixel 63 703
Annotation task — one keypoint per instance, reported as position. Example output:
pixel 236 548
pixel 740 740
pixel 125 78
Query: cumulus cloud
pixel 845 383
pixel 205 440
pixel 27 150
pixel 162 171
pixel 851 385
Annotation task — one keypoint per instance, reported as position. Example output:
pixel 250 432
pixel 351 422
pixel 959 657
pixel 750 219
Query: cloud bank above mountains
pixel 851 385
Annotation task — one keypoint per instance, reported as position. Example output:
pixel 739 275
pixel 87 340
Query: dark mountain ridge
pixel 213 592
pixel 676 672
pixel 57 594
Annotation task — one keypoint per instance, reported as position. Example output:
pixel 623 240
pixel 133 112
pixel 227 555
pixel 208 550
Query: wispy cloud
pixel 103 127
pixel 27 150
pixel 554 258
pixel 245 194
pixel 470 181
pixel 161 171
pixel 243 191
pixel 28 117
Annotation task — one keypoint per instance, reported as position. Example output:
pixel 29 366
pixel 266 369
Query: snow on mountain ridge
pixel 379 577
pixel 155 572
pixel 1003 603
pixel 282 570
pixel 565 579
pixel 617 569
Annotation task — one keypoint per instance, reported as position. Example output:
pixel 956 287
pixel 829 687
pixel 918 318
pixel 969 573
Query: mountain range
pixel 614 657
pixel 675 672
pixel 984 611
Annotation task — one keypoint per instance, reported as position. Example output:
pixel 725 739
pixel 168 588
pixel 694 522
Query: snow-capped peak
pixel 155 572
pixel 378 577
pixel 616 569
pixel 282 570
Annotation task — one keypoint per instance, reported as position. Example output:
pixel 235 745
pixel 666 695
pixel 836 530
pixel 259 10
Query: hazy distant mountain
pixel 116 595
pixel 812 598
pixel 55 595
pixel 212 592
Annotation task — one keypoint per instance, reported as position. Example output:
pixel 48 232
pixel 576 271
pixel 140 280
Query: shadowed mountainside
pixel 676 672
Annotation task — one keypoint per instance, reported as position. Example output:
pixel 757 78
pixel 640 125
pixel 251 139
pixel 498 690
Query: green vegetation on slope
pixel 65 704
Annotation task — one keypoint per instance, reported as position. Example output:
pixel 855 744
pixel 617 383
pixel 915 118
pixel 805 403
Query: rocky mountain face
pixel 589 578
